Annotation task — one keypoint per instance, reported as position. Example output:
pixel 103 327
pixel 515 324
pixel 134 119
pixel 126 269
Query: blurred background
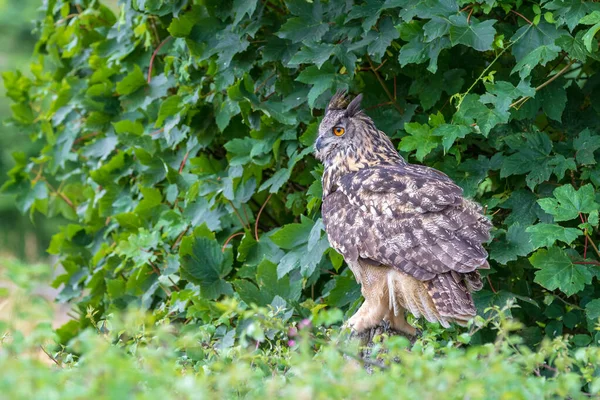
pixel 20 236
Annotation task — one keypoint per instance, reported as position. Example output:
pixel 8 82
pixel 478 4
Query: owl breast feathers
pixel 408 235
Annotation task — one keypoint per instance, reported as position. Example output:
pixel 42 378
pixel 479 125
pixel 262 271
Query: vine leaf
pixel 557 271
pixel 568 202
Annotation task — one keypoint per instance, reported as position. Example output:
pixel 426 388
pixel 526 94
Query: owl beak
pixel 318 144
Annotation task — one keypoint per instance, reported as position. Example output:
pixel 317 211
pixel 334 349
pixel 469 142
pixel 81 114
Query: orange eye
pixel 338 131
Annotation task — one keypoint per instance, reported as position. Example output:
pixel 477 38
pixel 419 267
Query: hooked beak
pixel 318 144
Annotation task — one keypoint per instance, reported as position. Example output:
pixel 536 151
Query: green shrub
pixel 177 136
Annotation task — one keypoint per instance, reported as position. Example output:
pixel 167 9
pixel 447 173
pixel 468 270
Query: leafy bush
pixel 132 355
pixel 177 136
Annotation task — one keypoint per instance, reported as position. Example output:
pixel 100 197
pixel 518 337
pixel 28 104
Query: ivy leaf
pixel 417 51
pixel 382 39
pixel 540 56
pixel 585 145
pixel 242 8
pixel 568 202
pixel 308 23
pixel 501 94
pixel 321 80
pixel 574 46
pixel 517 242
pixel 450 133
pixel 544 235
pixel 524 206
pixel 203 263
pixel 275 182
pixel 592 310
pixel 554 100
pixel 486 117
pixel 420 139
pixel 588 37
pixel 131 82
pixel 293 235
pixel 557 271
pixel 268 286
pixel 314 53
pixel 569 12
pixel 530 37
pixel 475 34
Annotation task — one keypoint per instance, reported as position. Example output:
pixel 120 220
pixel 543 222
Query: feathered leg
pixel 370 314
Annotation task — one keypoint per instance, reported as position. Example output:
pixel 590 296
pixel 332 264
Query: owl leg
pixel 369 315
pixel 398 322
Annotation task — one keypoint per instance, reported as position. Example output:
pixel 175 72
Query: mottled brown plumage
pixel 408 235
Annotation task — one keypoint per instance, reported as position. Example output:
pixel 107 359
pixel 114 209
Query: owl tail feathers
pixel 451 294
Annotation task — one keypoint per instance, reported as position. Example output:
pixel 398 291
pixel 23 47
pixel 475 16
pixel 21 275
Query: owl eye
pixel 338 131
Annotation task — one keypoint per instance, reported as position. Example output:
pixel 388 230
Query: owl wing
pixel 410 217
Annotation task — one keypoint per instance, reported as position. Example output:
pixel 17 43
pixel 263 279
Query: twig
pixel 586 262
pixel 491 286
pixel 264 82
pixel 469 16
pixel 50 356
pixel 174 285
pixel 480 77
pixel 229 240
pixel 258 216
pixel 522 16
pixel 84 137
pixel 62 196
pixel 183 162
pixel 154 56
pixel 382 83
pixel 245 215
pixel 593 244
pixel 238 215
pixel 68 17
pixel 181 235
pixel 543 85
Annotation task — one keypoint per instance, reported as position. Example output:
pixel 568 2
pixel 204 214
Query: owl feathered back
pixel 381 210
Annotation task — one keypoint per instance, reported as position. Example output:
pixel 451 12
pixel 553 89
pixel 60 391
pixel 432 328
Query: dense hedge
pixel 177 138
pixel 132 355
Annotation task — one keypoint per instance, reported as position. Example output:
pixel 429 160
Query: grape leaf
pixel 557 271
pixel 544 235
pixel 517 242
pixel 568 202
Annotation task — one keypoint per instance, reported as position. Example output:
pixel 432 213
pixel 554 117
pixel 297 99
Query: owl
pixel 411 239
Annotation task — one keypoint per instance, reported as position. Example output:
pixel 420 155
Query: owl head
pixel 342 126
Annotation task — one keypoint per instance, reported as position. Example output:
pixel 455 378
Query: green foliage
pixel 132 354
pixel 176 137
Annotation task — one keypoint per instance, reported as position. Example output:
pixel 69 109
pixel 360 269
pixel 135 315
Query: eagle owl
pixel 411 239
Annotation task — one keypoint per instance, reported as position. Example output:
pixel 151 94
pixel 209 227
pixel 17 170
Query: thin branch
pixel 491 286
pixel 181 235
pixel 85 137
pixel 265 82
pixel 50 356
pixel 469 17
pixel 586 262
pixel 382 83
pixel 258 216
pixel 522 100
pixel 62 196
pixel 480 77
pixel 229 240
pixel 154 56
pixel 593 244
pixel 183 162
pixel 238 215
pixel 522 16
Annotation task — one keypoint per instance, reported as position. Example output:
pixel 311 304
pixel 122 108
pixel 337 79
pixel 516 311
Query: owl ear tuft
pixel 354 106
pixel 338 101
